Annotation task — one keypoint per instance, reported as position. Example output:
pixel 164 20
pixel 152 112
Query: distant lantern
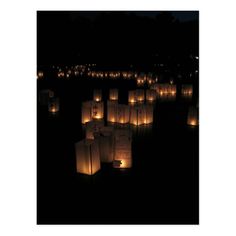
pixel 97 95
pixel 87 157
pixel 91 110
pixel 150 95
pixel 53 105
pixel 122 149
pixel 105 138
pixel 40 75
pixel 113 94
pixel 93 127
pixel 166 91
pixel 192 116
pixel 187 90
pixel 132 96
pixel 141 114
pixel 44 96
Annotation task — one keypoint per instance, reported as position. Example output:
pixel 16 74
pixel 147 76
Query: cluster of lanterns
pixel 134 113
pixel 143 79
pixel 103 144
pixel 187 90
pixel 138 96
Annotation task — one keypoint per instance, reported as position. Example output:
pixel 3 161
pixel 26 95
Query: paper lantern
pixel 91 110
pixel 122 149
pixel 105 138
pixel 122 114
pixel 93 127
pixel 112 111
pixel 53 105
pixel 97 110
pixel 150 95
pixel 40 75
pixel 86 115
pixel 113 94
pixel 44 96
pixel 187 90
pixel 140 95
pixel 117 113
pixel 97 95
pixel 166 92
pixel 87 157
pixel 132 97
pixel 141 114
pixel 192 116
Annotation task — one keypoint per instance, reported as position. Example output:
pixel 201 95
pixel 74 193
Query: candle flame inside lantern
pixel 193 122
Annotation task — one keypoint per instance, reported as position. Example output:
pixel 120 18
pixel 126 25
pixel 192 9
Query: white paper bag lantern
pixel 150 95
pixel 132 97
pixel 97 95
pixel 92 110
pixel 105 138
pixel 122 114
pixel 123 149
pixel 192 116
pixel 141 114
pixel 93 127
pixel 187 90
pixel 53 105
pixel 140 95
pixel 97 110
pixel 112 111
pixel 113 94
pixel 86 115
pixel 87 157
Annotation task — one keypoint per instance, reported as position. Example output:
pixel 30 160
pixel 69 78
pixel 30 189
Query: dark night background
pixel 115 37
pixel 162 187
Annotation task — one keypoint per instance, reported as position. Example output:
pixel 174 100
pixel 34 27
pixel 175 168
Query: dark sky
pixel 179 15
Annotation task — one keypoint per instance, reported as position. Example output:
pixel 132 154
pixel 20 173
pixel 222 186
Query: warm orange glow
pixel 193 122
pixel 97 99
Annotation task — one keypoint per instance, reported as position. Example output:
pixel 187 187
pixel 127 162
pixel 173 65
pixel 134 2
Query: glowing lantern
pixel 113 94
pixel 93 127
pixel 53 105
pixel 132 97
pixel 192 116
pixel 117 112
pixel 97 110
pixel 187 90
pixel 122 149
pixel 87 157
pixel 40 75
pixel 97 95
pixel 112 111
pixel 91 110
pixel 44 96
pixel 105 138
pixel 150 95
pixel 122 114
pixel 142 114
pixel 140 95
pixel 166 91
pixel 86 115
